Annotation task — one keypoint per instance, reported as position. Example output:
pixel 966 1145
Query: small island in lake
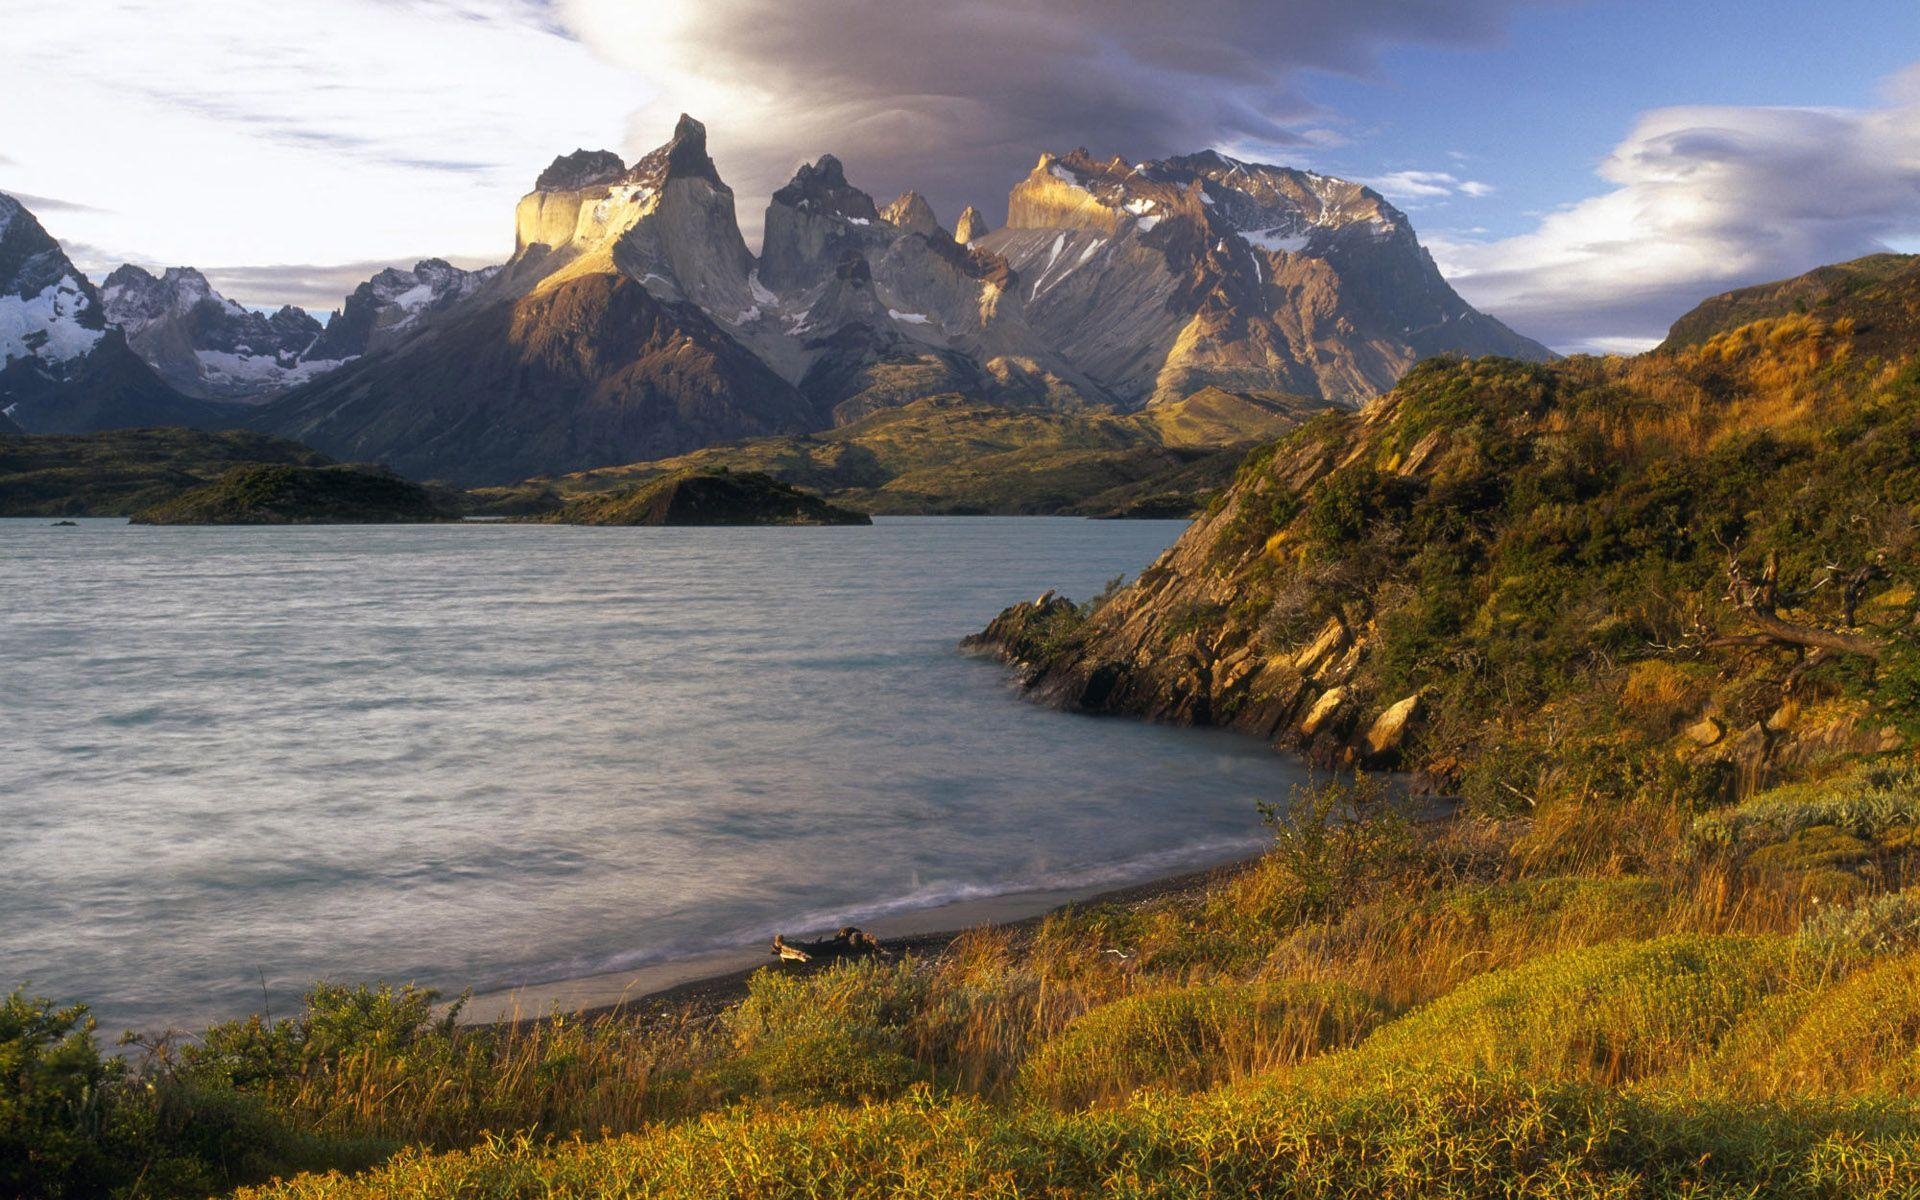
pixel 706 497
pixel 286 494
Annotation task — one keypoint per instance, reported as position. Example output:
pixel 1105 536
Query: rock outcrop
pixel 971 226
pixel 1499 554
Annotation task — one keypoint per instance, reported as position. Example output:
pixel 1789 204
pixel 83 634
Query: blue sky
pixel 1537 113
pixel 1584 169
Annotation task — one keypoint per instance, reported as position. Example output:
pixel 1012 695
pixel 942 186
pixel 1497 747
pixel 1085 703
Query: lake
pixel 490 755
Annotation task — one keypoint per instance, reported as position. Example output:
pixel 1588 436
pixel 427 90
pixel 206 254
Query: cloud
pixel 956 99
pixel 230 131
pixel 41 205
pixel 1426 185
pixel 1704 199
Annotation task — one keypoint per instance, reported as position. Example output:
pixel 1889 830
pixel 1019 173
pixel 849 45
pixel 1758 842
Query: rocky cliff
pixel 1711 549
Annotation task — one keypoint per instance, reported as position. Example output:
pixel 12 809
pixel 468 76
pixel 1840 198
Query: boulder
pixel 1389 730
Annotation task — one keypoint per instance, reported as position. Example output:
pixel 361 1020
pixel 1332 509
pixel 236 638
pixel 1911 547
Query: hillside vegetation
pixel 285 494
pixel 948 455
pixel 705 497
pixel 1651 618
pixel 121 471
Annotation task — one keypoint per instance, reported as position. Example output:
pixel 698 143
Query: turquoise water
pixel 489 755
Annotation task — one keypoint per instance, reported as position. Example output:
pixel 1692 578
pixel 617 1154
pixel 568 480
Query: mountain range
pixel 632 322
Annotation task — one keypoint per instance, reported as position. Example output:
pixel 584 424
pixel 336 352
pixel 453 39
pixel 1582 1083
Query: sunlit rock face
pixel 1159 278
pixel 604 339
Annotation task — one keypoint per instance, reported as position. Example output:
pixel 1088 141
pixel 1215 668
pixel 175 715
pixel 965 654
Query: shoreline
pixel 714 979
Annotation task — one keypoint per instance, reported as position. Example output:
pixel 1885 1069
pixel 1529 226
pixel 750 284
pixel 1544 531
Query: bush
pixel 1883 924
pixel 1190 1038
pixel 1333 839
pixel 56 1101
pixel 834 1037
pixel 1453 1140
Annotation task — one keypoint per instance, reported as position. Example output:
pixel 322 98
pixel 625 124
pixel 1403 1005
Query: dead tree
pixel 1759 600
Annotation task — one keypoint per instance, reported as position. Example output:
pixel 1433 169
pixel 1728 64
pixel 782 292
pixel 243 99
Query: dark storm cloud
pixel 957 97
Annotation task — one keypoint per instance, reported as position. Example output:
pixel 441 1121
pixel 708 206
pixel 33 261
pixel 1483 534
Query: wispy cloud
pixel 1427 185
pixel 1703 199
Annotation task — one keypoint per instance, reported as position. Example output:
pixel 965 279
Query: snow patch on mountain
pixel 47 325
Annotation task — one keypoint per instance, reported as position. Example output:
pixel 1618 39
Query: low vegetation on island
pixel 1651 621
pixel 705 497
pixel 283 494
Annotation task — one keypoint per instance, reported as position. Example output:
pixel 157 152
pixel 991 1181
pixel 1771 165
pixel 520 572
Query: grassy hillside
pixel 1877 292
pixel 121 471
pixel 705 497
pixel 945 455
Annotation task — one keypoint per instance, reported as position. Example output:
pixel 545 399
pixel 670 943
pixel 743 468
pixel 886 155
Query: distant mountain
pixel 1876 292
pixel 1160 278
pixel 63 369
pixel 394 305
pixel 632 322
pixel 206 345
pixel 594 344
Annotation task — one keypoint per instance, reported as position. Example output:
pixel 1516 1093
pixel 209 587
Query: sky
pixel 1586 170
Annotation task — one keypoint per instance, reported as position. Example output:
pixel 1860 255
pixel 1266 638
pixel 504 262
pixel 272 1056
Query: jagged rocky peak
pixel 971 226
pixel 912 214
pixel 394 305
pixel 822 187
pixel 206 345
pixel 49 310
pixel 581 170
pixel 814 222
pixel 683 157
pixel 63 368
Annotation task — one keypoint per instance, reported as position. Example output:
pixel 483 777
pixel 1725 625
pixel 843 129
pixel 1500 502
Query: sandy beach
pixel 720 977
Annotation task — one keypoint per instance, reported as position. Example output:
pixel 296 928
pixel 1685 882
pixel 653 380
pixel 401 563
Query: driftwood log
pixel 850 942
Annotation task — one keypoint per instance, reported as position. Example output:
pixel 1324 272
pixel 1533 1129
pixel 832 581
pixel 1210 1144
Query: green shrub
pixel 1192 1037
pixel 1447 1140
pixel 1883 924
pixel 56 1101
pixel 1868 803
pixel 837 1036
pixel 1333 839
